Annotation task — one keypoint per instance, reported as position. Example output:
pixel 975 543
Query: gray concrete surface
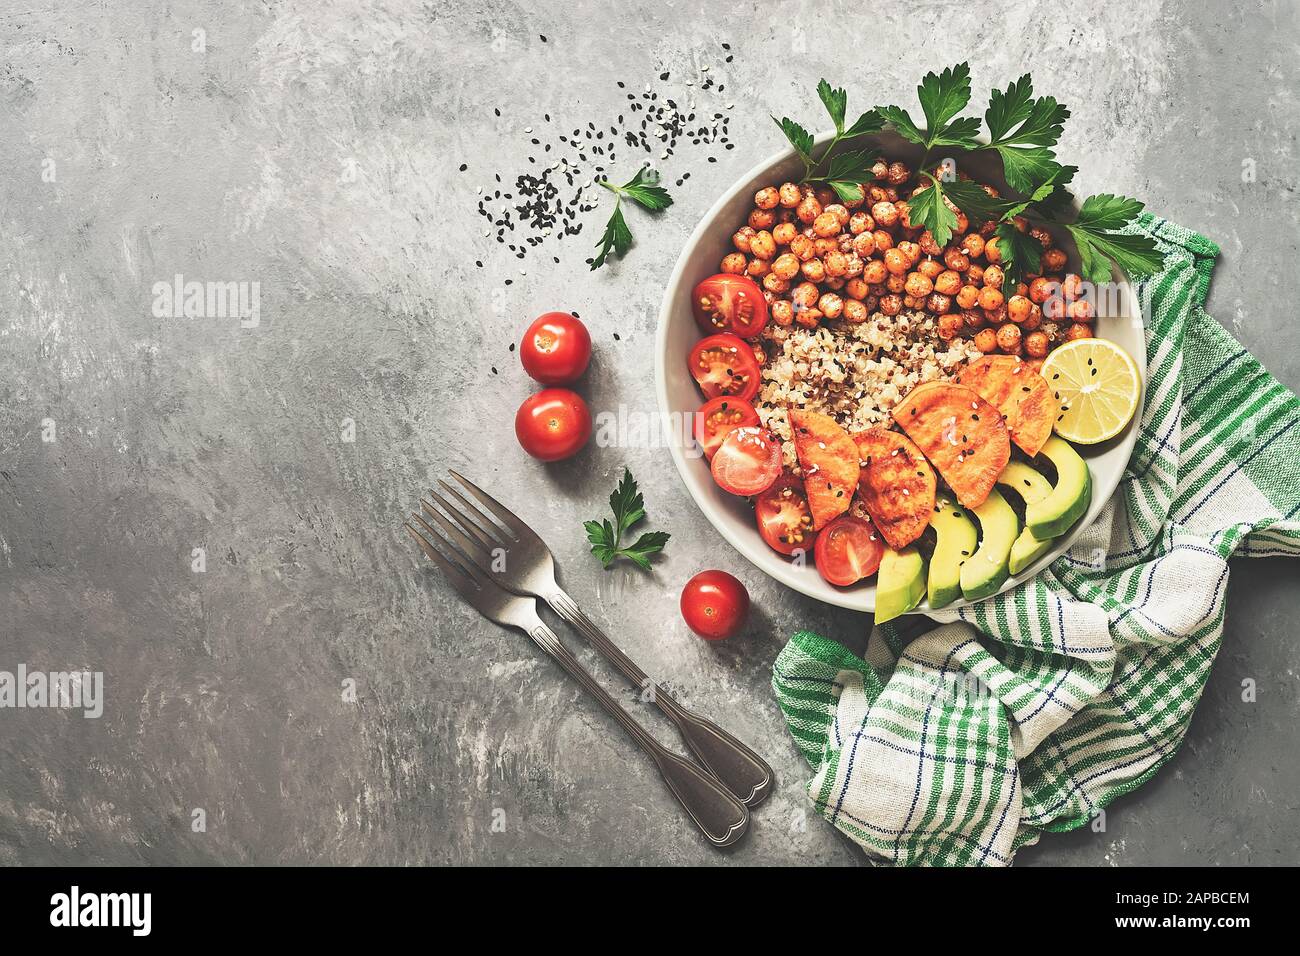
pixel 314 148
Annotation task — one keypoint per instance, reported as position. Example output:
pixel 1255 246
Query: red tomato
pixel 717 417
pixel 725 365
pixel 747 461
pixel 556 349
pixel 784 520
pixel 848 550
pixel 553 424
pixel 714 605
pixel 727 303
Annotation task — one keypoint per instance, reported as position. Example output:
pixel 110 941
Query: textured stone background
pixel 230 164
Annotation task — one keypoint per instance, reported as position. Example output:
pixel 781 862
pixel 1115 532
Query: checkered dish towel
pixel 1034 709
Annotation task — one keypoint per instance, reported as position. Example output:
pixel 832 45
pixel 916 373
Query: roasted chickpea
pixel 884 240
pixel 1054 308
pixel 904 214
pixel 993 277
pixel 784 232
pixel 856 289
pixel 986 340
pixel 802 247
pixel 860 222
pixel 853 265
pixel 774 283
pixel 874 272
pixel 973 244
pixel 1053 260
pixel 758 268
pixel 1018 308
pixel 733 263
pixel 891 304
pixel 918 286
pixel 826 225
pixel 825 195
pixel 1034 320
pixel 973 318
pixel 947 283
pixel 877 193
pixel 1078 330
pixel 955 259
pixel 928 245
pixel 896 283
pixel 1080 310
pixel 990 298
pixel 968 296
pixel 1071 287
pixel 831 305
pixel 930 268
pixel 767 197
pixel 1036 344
pixel 885 214
pixel 782 312
pixel 975 274
pixel 836 263
pixel 938 304
pixel 839 211
pixel 835 283
pixel 814 270
pixel 762 246
pixel 864 245
pixel 741 239
pixel 805 295
pixel 991 251
pixel 824 247
pixel 949 326
pixel 891 194
pixel 896 261
pixel 786 266
pixel 809 209
pixel 996 316
pixel 911 250
pixel 912 302
pixel 808 318
pixel 790 195
pixel 762 219
pixel 1040 290
pixel 880 169
pixel 1008 338
pixel 898 173
pixel 854 311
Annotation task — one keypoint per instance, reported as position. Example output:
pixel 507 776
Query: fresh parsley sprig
pixel 943 96
pixel 643 189
pixel 629 508
pixel 1022 130
pixel 846 172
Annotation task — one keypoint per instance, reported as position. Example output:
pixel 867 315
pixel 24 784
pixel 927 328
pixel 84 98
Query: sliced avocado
pixel 1026 550
pixel 957 537
pixel 1025 481
pixel 986 570
pixel 1070 497
pixel 900 583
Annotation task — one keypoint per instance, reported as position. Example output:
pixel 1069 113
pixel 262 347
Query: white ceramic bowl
pixel 678 395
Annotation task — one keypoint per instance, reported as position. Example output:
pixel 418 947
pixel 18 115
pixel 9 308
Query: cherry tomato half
pixel 784 519
pixel 727 303
pixel 848 550
pixel 556 349
pixel 747 461
pixel 553 424
pixel 717 417
pixel 724 365
pixel 714 605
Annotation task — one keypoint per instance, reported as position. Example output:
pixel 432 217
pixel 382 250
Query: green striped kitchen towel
pixel 1034 709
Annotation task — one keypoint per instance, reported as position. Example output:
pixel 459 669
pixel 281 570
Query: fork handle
pixel 743 772
pixel 720 816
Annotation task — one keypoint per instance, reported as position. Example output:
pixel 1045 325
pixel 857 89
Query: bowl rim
pixel 855 599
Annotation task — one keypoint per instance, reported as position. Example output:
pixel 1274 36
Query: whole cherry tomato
pixel 553 424
pixel 556 349
pixel 714 605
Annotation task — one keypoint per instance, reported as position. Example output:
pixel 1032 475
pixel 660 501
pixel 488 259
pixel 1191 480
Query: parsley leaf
pixel 1021 255
pixel 643 189
pixel 847 172
pixel 835 101
pixel 943 96
pixel 629 508
pixel 617 238
pixel 972 199
pixel 1093 233
pixel 799 138
pixel 1021 129
pixel 928 209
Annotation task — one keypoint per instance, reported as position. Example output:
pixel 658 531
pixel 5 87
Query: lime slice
pixel 1097 387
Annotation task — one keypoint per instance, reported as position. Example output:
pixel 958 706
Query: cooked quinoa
pixel 854 373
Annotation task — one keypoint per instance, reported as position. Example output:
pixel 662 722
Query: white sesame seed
pixel 528 129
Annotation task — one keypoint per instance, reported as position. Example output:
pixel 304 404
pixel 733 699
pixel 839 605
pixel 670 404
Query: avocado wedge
pixel 1032 487
pixel 1026 550
pixel 957 537
pixel 1052 516
pixel 986 570
pixel 900 583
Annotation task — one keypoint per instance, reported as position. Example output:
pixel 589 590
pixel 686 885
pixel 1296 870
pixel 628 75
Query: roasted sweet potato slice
pixel 829 460
pixel 897 485
pixel 1018 392
pixel 962 435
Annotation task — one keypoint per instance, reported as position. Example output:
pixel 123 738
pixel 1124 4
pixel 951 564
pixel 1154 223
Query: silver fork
pixel 518 560
pixel 722 818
